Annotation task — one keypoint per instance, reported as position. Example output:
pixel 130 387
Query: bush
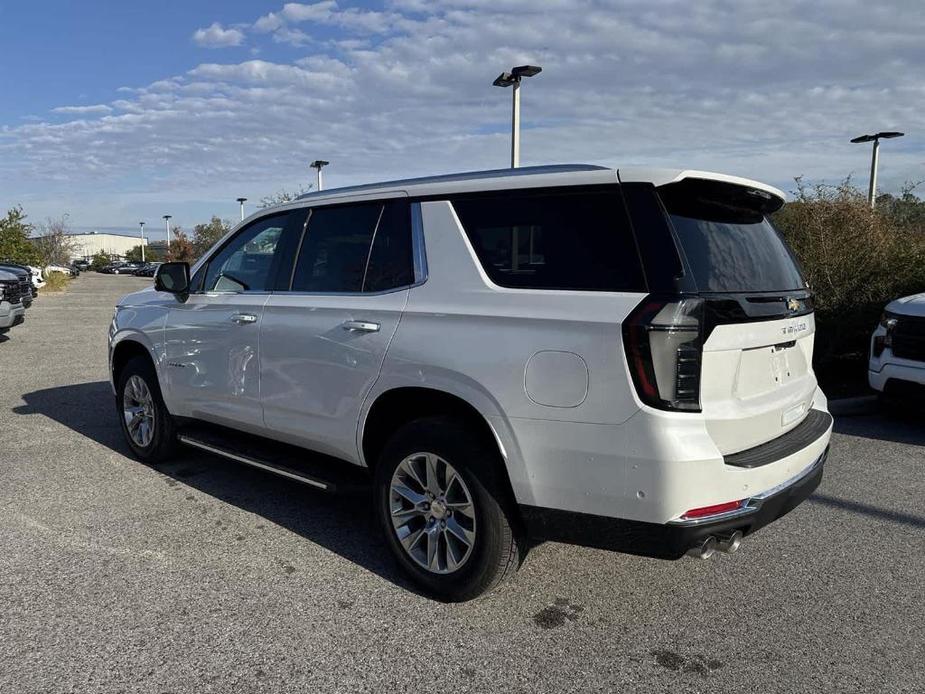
pixel 856 260
pixel 56 282
pixel 99 261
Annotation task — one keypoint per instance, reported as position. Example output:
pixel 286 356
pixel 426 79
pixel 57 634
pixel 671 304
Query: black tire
pixel 163 444
pixel 496 552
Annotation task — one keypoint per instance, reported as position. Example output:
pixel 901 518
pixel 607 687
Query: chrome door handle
pixel 361 326
pixel 243 318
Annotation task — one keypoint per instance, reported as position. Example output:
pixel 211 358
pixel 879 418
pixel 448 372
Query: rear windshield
pixel 728 241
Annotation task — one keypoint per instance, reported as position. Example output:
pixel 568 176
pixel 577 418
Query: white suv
pixel 897 349
pixel 620 359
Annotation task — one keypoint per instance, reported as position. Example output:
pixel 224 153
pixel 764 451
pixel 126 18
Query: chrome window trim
pixel 754 502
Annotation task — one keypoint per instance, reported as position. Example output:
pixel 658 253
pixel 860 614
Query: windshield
pixel 728 241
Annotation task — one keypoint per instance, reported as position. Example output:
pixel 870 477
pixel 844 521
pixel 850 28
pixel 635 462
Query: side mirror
pixel 173 278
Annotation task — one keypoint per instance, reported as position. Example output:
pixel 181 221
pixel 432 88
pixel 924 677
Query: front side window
pixel 553 240
pixel 245 263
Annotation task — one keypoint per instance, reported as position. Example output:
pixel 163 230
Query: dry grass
pixel 56 282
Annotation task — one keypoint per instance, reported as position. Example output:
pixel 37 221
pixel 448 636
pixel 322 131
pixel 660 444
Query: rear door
pixel 757 380
pixel 324 335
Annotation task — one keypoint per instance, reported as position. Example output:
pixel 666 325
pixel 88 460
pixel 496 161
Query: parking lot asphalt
pixel 205 576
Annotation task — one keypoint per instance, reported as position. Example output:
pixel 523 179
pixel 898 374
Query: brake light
pixel 664 348
pixel 714 510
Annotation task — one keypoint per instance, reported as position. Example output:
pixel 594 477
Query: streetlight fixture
pixel 875 158
pixel 167 218
pixel 512 79
pixel 241 202
pixel 142 225
pixel 317 165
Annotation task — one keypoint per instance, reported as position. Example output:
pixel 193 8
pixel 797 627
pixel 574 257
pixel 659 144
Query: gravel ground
pixel 205 576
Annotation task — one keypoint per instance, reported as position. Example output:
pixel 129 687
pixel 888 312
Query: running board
pixel 313 469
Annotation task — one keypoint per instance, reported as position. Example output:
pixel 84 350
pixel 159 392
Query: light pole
pixel 241 202
pixel 142 225
pixel 317 165
pixel 512 79
pixel 167 229
pixel 875 159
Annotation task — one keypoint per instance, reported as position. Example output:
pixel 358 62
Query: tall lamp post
pixel 512 79
pixel 241 202
pixel 875 159
pixel 142 225
pixel 317 165
pixel 167 229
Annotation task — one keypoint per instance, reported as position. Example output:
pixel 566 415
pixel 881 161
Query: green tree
pixel 15 245
pixel 99 260
pixel 134 254
pixel 207 235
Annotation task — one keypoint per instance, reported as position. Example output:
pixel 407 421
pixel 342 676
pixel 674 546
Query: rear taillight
pixel 664 349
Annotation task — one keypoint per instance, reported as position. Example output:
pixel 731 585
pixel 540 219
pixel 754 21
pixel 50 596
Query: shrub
pixel 99 261
pixel 56 282
pixel 856 260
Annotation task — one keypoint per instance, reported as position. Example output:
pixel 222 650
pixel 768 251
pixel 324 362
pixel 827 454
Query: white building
pixel 88 245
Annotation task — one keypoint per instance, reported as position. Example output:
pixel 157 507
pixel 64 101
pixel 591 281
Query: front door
pixel 212 339
pixel 323 340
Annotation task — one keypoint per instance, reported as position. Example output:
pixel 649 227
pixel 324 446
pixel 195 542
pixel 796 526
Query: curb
pixel 852 407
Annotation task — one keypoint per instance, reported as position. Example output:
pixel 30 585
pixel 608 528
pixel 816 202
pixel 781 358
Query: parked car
pixel 619 359
pixel 12 311
pixel 24 275
pixel 126 268
pixel 82 265
pixel 64 270
pixel 897 349
pixel 111 268
pixel 37 280
pixel 147 270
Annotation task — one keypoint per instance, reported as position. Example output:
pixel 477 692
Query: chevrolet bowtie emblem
pixel 793 304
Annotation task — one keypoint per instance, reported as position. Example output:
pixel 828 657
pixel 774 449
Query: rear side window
pixel 553 240
pixel 354 248
pixel 729 244
pixel 390 261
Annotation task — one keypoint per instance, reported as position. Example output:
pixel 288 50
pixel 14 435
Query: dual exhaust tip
pixel 716 543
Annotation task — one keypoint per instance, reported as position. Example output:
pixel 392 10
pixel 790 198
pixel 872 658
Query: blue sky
pixel 113 112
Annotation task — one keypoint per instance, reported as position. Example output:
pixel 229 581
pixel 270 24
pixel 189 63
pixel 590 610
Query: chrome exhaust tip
pixel 729 543
pixel 704 550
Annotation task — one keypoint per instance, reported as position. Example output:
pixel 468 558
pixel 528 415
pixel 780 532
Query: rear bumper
pixel 670 540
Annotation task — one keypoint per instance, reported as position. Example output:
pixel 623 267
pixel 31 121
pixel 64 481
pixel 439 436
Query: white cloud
pixel 94 110
pixel 743 88
pixel 217 36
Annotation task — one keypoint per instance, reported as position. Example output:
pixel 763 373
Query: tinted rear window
pixel 729 244
pixel 553 240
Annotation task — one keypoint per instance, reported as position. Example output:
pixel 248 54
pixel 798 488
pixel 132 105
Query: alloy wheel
pixel 138 410
pixel 432 513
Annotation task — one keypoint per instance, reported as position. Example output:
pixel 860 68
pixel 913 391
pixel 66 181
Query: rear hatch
pixel 756 381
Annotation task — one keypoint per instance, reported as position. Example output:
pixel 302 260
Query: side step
pixel 313 469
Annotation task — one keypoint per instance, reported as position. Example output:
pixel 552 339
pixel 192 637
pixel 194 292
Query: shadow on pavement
pixel 899 427
pixel 342 524
pixel 868 510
